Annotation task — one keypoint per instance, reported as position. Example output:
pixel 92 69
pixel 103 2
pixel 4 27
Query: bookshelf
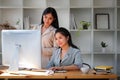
pixel 89 40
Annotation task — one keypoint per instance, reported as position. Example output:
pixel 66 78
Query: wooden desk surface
pixel 79 75
pixel 6 75
pixel 55 76
pixel 67 75
pixel 26 76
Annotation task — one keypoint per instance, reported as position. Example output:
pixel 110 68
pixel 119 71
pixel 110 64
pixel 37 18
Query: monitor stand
pixel 14 61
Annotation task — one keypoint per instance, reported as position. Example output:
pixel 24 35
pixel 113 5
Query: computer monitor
pixel 22 46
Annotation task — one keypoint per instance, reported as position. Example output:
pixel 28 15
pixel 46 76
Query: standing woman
pixel 67 56
pixel 49 23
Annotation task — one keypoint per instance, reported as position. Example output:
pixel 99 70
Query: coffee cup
pixel 85 70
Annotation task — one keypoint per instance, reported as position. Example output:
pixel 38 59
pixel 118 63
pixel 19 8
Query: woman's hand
pixel 56 68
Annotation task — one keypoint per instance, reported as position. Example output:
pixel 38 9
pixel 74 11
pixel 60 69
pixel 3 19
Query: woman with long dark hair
pixel 49 23
pixel 67 56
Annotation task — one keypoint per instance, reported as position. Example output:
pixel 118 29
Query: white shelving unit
pixel 89 40
pixel 118 37
pixel 81 10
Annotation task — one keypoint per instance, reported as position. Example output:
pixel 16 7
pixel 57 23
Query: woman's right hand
pixel 55 68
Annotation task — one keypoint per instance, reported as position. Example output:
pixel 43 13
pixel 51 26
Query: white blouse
pixel 48 43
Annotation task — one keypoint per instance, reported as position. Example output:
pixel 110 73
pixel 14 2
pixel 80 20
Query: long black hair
pixel 66 33
pixel 51 10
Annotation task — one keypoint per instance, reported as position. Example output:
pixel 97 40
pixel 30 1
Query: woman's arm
pixel 51 62
pixel 71 67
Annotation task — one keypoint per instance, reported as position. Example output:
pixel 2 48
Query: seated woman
pixel 67 56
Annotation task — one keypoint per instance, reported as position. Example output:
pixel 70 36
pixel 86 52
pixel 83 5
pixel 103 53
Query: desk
pixel 67 75
pixel 79 75
pixel 12 76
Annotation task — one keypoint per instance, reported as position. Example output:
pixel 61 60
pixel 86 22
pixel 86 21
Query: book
pixel 104 67
pixel 73 24
pixel 26 22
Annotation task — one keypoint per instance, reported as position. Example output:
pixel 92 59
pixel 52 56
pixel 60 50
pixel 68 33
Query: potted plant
pixel 85 24
pixel 103 45
pixel 18 24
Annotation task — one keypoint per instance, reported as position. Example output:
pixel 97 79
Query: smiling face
pixel 61 40
pixel 48 19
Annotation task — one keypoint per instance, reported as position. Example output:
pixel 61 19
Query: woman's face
pixel 48 19
pixel 61 40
